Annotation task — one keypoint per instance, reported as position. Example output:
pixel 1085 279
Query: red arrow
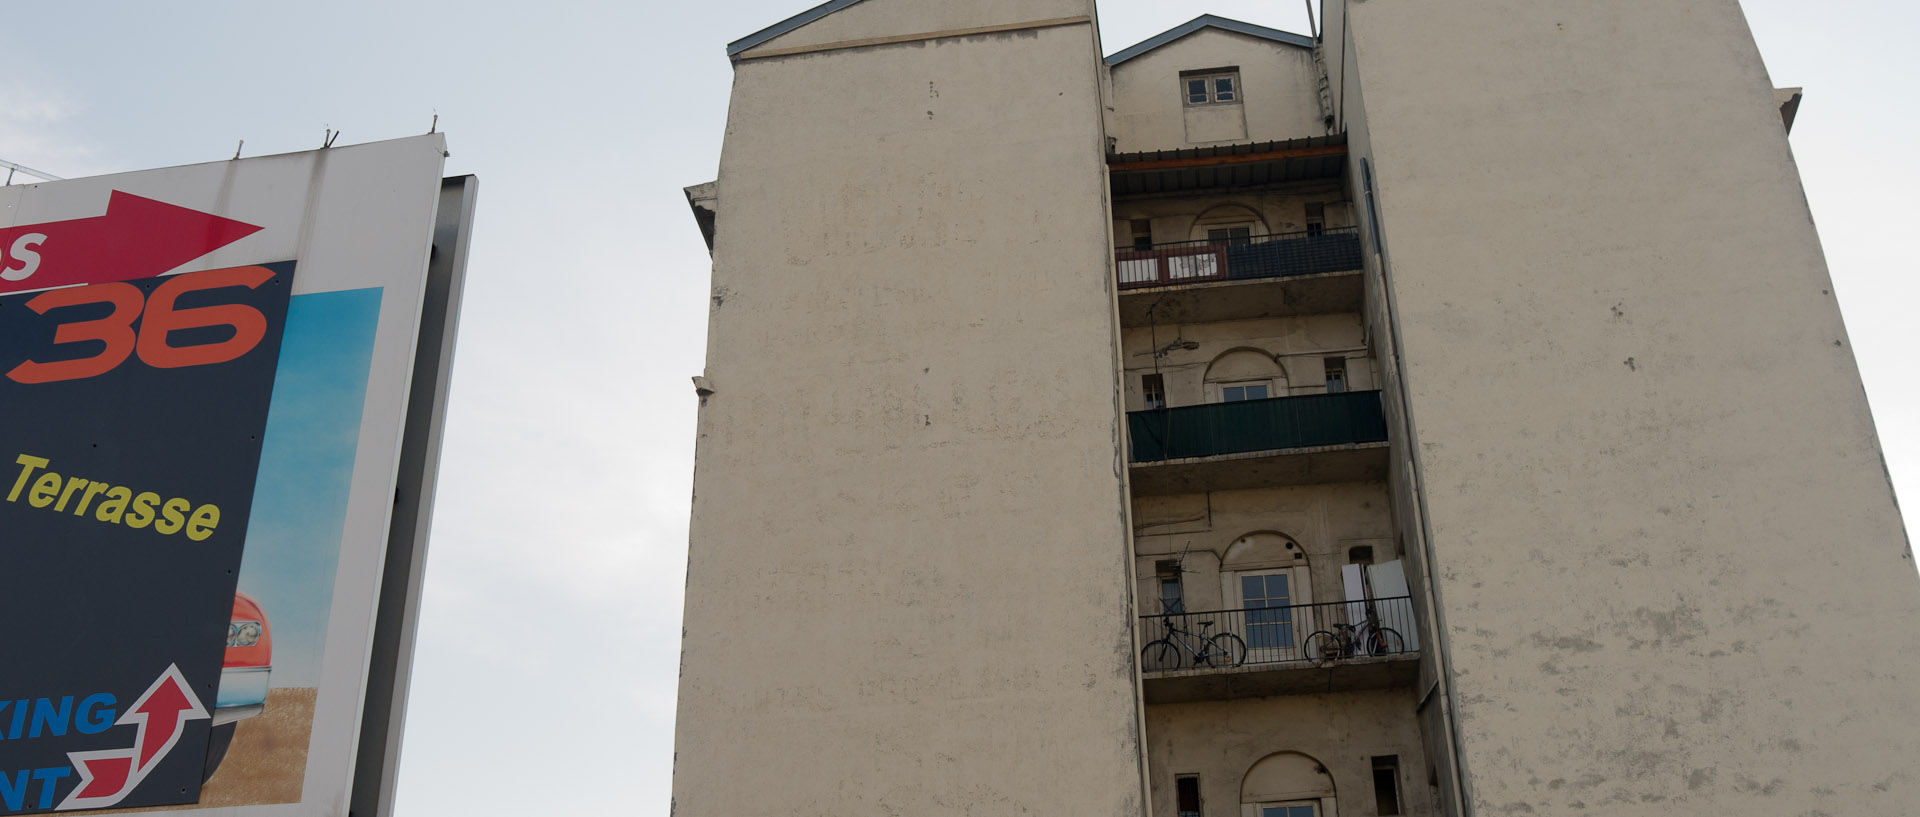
pixel 137 238
pixel 166 706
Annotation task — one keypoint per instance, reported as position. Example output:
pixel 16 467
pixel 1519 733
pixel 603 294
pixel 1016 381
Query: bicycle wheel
pixel 1159 656
pixel 1226 650
pixel 1322 648
pixel 1385 642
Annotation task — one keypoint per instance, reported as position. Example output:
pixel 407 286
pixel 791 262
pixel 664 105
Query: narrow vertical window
pixel 1336 374
pixel 1187 792
pixel 1316 217
pixel 1142 233
pixel 1154 390
pixel 1386 785
pixel 1172 596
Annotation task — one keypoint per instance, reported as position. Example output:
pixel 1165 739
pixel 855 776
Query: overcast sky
pixel 547 659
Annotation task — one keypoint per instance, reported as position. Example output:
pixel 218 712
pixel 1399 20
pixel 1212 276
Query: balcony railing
pixel 1334 249
pixel 1315 634
pixel 1306 421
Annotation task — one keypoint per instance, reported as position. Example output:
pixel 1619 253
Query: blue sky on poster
pixel 551 620
pixel 306 468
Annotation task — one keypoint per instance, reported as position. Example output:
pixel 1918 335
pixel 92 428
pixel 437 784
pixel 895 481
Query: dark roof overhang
pixel 1224 166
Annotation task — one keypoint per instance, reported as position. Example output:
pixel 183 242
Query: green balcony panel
pixel 1278 423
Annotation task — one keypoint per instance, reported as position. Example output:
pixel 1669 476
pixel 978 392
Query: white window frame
pixel 1217 392
pixel 1234 94
pixel 1301 598
pixel 1322 807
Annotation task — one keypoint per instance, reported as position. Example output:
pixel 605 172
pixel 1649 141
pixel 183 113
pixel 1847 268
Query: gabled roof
pixel 1209 21
pixel 789 24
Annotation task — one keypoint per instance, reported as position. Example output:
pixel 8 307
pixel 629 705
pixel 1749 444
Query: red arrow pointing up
pixel 166 706
pixel 137 238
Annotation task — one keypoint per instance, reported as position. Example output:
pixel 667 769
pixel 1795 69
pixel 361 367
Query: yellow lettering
pixel 87 498
pixel 74 484
pixel 43 490
pixel 117 498
pixel 119 505
pixel 172 516
pixel 201 525
pixel 28 464
pixel 142 515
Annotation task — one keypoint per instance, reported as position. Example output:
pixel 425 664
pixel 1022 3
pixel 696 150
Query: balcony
pixel 1279 650
pixel 1257 277
pixel 1338 437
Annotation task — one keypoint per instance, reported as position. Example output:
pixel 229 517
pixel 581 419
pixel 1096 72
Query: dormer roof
pixel 1209 21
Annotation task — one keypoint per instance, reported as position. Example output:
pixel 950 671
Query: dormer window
pixel 1212 87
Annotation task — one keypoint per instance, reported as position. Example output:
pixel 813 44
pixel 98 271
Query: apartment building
pixel 1441 412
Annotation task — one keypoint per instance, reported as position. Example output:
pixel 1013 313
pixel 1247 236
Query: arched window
pixel 1228 223
pixel 1287 784
pixel 1264 574
pixel 1244 374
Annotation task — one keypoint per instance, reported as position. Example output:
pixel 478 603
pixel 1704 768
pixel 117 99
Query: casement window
pixel 1316 217
pixel 1386 785
pixel 1236 392
pixel 1212 87
pixel 1186 791
pixel 1172 594
pixel 1336 368
pixel 1230 235
pixel 1153 390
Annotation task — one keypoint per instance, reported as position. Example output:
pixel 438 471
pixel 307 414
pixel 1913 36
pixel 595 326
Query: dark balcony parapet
pixel 1305 421
pixel 1334 249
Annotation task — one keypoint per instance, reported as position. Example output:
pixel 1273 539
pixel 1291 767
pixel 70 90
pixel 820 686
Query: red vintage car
pixel 243 676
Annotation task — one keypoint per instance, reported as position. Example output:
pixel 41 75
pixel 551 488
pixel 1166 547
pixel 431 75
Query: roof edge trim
pixel 1209 21
pixel 784 26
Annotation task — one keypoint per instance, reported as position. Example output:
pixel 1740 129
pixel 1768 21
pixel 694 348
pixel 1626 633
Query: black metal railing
pixel 1319 634
pixel 1305 421
pixel 1334 249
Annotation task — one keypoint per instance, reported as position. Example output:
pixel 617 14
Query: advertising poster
pixel 203 377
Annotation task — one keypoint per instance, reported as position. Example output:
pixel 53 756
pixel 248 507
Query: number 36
pixel 122 340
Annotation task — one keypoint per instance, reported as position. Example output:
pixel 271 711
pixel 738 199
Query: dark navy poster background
pixel 92 608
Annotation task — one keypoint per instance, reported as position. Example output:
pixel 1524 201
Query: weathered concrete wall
pixel 1280 92
pixel 1220 741
pixel 1325 520
pixel 909 584
pixel 1669 564
pixel 1296 350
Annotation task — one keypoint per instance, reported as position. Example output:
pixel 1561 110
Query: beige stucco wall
pixel 1221 740
pixel 1668 562
pixel 909 585
pixel 1280 92
pixel 1198 529
pixel 1297 347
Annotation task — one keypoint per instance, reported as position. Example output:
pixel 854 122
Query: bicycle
pixel 1216 650
pixel 1348 641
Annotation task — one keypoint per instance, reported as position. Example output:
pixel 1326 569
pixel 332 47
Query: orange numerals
pixel 116 330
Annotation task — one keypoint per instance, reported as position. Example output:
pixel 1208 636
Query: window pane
pixel 1233 394
pixel 1223 89
pixel 1256 393
pixel 1196 91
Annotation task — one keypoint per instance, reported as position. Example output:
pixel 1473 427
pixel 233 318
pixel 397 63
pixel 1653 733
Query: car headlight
pixel 243 633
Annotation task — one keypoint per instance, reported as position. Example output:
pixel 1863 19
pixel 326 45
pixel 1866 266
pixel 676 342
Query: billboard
pixel 205 385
